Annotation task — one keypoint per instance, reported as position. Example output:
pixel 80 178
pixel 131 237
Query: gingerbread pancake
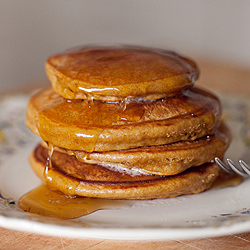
pixel 105 126
pixel 111 73
pixel 169 159
pixel 72 177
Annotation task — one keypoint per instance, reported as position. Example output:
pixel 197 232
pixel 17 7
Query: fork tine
pixel 223 166
pixel 245 166
pixel 236 169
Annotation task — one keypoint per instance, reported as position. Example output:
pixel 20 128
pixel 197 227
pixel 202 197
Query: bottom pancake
pixel 72 178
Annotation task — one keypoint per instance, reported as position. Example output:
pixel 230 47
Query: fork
pixel 232 168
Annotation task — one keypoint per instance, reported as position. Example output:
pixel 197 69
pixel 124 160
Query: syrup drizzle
pixel 97 116
pixel 95 93
pixel 123 104
pixel 44 201
pixel 48 165
pixel 90 100
pixel 81 156
pixel 49 173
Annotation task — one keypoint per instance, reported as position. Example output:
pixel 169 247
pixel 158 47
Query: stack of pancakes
pixel 125 122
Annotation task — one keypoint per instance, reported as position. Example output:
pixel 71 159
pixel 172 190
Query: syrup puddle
pixel 46 202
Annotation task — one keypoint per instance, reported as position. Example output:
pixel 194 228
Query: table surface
pixel 215 76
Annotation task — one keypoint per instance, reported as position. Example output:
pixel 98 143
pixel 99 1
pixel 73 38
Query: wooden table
pixel 215 76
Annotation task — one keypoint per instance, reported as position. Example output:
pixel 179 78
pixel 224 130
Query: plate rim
pixel 113 233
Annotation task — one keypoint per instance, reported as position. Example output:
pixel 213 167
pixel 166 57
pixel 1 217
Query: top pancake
pixel 105 126
pixel 118 72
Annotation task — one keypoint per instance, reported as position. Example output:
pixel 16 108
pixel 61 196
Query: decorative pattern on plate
pixel 214 212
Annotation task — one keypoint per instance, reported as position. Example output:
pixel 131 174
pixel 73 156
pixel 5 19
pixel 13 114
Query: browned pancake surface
pixel 169 159
pixel 105 126
pixel 76 178
pixel 117 72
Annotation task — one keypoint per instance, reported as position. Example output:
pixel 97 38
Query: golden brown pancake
pixel 72 177
pixel 117 72
pixel 105 126
pixel 170 159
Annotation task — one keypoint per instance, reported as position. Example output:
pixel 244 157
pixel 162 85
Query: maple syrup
pixel 77 124
pixel 48 165
pixel 92 117
pixel 46 202
pixel 119 71
pixel 93 93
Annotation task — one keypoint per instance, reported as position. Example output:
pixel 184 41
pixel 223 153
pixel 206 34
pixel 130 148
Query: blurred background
pixel 212 32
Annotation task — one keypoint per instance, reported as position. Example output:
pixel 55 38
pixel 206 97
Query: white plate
pixel 212 213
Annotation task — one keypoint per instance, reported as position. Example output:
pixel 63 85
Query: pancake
pixel 72 177
pixel 170 159
pixel 105 126
pixel 111 73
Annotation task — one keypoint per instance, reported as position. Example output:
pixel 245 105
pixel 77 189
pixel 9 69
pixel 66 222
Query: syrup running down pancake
pixel 119 72
pixel 105 126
